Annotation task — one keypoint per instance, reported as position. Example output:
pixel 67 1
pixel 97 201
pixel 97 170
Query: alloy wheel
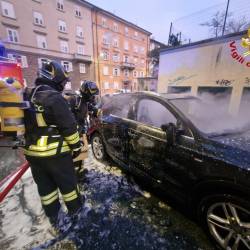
pixel 98 149
pixel 229 224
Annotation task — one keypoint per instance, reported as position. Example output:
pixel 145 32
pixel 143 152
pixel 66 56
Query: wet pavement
pixel 117 214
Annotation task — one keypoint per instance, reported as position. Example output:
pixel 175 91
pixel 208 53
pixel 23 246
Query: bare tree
pixel 216 23
pixel 237 25
pixel 232 25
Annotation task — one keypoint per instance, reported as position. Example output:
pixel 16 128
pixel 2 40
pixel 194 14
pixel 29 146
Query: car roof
pixel 163 95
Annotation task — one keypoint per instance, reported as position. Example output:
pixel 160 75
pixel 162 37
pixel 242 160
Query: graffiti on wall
pixel 179 79
pixel 224 82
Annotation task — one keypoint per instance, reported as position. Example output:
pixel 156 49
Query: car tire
pixel 98 147
pixel 226 218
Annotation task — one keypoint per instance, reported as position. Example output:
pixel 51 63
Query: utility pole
pixel 225 20
pixel 170 31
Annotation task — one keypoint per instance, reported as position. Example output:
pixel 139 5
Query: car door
pixel 114 126
pixel 149 151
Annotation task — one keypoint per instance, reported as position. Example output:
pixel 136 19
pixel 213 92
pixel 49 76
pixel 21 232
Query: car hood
pixel 238 141
pixel 234 149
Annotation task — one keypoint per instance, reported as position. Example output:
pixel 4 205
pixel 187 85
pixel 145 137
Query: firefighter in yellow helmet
pixel 52 141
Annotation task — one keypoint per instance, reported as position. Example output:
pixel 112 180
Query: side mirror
pixel 170 130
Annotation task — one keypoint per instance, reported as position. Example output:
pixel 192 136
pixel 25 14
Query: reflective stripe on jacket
pixel 50 126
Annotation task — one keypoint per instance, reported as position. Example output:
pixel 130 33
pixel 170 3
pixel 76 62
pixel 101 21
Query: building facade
pixel 35 31
pixel 120 51
pixel 153 57
pixel 217 69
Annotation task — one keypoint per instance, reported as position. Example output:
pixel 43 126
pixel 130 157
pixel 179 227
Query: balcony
pixel 126 65
pixel 82 58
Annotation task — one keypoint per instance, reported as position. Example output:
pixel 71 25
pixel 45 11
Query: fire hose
pixel 9 181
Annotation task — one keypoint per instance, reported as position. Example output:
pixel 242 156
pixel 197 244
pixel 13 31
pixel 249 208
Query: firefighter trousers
pixel 53 174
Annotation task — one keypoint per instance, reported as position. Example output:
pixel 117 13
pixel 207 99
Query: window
pixel 116 43
pixel 126 59
pixel 8 10
pixel 68 86
pixel 60 5
pixel 147 113
pixel 126 46
pixel 105 40
pixel 118 105
pixel 136 34
pixel 142 61
pixel 115 27
pixel 141 74
pixel 136 49
pixel 104 22
pixel 67 65
pixel 126 31
pixel 22 60
pixel 116 57
pixel 106 85
pixel 135 73
pixel 116 71
pixel 12 36
pixel 116 85
pixel 79 31
pixel 78 11
pixel 42 61
pixel 105 55
pixel 135 60
pixel 62 26
pixel 64 46
pixel 142 50
pixel 38 18
pixel 105 70
pixel 82 68
pixel 41 42
pixel 80 49
pixel 126 72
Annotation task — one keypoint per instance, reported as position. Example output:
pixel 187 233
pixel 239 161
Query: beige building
pixel 35 31
pixel 215 67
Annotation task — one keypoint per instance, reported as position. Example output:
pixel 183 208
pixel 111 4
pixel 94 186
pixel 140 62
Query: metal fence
pixel 228 17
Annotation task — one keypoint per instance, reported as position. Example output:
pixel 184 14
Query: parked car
pixel 173 142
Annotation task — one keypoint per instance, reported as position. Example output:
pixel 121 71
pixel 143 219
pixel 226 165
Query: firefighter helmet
pixel 89 89
pixel 54 74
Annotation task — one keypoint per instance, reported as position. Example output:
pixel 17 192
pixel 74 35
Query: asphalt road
pixel 117 214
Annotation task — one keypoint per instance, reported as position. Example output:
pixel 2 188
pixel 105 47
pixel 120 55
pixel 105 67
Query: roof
pixel 163 95
pixel 92 6
pixel 178 96
pixel 157 42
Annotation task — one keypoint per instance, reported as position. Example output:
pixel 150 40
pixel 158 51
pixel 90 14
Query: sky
pixel 156 15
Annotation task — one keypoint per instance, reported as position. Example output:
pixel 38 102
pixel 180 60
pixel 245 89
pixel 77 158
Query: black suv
pixel 184 146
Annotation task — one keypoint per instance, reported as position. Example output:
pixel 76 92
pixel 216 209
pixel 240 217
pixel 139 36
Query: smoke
pixel 211 114
pixel 117 105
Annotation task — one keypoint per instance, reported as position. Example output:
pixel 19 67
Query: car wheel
pixel 98 147
pixel 227 220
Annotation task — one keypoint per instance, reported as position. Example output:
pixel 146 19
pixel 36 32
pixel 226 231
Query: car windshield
pixel 212 117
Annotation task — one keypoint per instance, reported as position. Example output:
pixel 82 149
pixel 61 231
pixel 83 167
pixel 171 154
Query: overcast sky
pixel 156 15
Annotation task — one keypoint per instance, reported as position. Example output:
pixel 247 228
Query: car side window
pixel 118 105
pixel 153 113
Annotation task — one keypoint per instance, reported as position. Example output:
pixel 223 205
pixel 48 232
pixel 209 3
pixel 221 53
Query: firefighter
pixel 82 105
pixel 52 141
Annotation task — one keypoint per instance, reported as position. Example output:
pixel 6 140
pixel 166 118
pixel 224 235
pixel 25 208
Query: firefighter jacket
pixel 50 127
pixel 81 108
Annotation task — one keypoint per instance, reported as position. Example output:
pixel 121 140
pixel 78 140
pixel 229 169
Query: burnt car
pixel 191 152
